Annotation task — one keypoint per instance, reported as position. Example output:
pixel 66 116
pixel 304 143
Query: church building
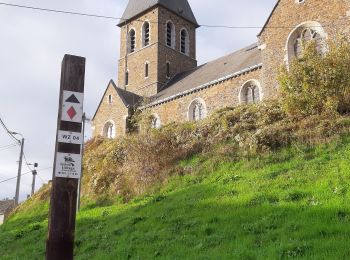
pixel 158 70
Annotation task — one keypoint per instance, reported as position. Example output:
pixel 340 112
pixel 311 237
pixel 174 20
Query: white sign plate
pixel 70 137
pixel 72 108
pixel 68 165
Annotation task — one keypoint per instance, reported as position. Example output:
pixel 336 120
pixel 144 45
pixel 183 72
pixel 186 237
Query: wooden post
pixel 60 241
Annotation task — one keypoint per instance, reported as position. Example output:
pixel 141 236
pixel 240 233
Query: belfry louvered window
pixel 132 41
pixel 170 35
pixel 184 42
pixel 145 34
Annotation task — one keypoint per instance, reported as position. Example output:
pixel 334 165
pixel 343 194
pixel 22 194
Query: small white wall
pixel 1 219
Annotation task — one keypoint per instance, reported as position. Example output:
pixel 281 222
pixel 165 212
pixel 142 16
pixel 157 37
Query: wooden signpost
pixel 67 164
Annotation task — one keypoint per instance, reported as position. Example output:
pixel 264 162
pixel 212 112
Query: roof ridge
pixel 136 7
pixel 247 48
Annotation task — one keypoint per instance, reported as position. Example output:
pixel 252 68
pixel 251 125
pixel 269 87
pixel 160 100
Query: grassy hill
pixel 293 203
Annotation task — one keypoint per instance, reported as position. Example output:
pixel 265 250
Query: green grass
pixel 294 203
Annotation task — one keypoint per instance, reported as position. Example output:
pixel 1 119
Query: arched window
pixel 170 35
pixel 110 99
pixel 145 34
pixel 250 93
pixel 197 110
pixel 184 42
pixel 109 130
pixel 155 122
pixel 301 36
pixel 131 41
pixel 306 36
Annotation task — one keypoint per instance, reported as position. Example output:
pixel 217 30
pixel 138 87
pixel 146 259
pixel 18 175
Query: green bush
pixel 318 83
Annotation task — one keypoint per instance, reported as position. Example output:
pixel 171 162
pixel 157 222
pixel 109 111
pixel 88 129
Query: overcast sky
pixel 32 45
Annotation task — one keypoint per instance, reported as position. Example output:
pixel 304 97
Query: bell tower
pixel 158 41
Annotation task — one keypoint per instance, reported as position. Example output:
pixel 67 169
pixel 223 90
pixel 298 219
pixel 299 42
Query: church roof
pixel 6 205
pixel 180 7
pixel 128 98
pixel 226 67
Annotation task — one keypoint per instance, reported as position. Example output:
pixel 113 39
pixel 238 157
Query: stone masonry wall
pixel 156 54
pixel 333 15
pixel 138 83
pixel 225 94
pixel 116 112
pixel 179 62
pixel 136 61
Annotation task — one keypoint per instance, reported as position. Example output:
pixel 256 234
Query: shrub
pixel 133 164
pixel 318 83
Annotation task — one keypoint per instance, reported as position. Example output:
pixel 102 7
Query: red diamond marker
pixel 71 112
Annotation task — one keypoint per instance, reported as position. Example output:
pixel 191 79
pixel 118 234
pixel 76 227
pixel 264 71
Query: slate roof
pixel 180 7
pixel 224 67
pixel 129 99
pixel 6 205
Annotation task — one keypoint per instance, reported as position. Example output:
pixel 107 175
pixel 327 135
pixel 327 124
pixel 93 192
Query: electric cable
pixel 122 19
pixel 9 179
pixel 12 178
pixel 8 131
pixel 42 180
pixel 26 161
pixel 8 147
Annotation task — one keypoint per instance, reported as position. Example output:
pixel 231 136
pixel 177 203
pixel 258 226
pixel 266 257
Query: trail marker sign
pixel 67 164
pixel 70 137
pixel 72 107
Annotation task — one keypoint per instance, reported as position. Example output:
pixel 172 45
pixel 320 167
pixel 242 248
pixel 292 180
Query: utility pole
pixel 34 172
pixel 19 172
pixel 67 163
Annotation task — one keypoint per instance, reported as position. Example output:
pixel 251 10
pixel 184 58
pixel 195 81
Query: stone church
pixel 158 70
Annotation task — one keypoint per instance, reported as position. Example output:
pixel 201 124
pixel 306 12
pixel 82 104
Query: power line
pixel 26 161
pixel 7 147
pixel 42 180
pixel 8 131
pixel 9 179
pixel 59 11
pixel 139 20
pixel 12 178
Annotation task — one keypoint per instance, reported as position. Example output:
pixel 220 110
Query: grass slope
pixel 294 203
